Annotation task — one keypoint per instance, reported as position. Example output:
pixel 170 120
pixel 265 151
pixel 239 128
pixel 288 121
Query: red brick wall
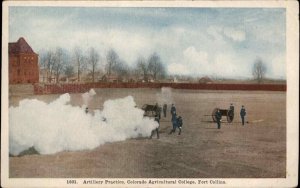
pixel 79 88
pixel 23 68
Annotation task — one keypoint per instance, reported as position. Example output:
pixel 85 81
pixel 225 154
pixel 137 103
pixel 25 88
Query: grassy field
pixel 256 150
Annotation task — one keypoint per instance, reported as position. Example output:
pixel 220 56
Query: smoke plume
pixel 59 126
pixel 86 97
pixel 165 96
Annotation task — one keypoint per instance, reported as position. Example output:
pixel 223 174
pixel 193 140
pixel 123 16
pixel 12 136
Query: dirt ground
pixel 256 150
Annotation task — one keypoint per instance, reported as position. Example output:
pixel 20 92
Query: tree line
pixel 60 63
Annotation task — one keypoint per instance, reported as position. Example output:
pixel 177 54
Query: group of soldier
pixel 176 120
pixel 218 115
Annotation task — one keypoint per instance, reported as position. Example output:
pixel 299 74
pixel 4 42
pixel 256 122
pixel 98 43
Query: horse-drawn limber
pixel 229 113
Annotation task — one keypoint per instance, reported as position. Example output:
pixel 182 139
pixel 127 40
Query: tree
pixel 155 67
pixel 69 70
pixel 47 62
pixel 121 68
pixel 93 59
pixel 142 67
pixel 259 70
pixel 112 59
pixel 60 62
pixel 79 61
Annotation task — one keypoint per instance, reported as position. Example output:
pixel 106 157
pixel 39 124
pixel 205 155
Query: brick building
pixel 23 63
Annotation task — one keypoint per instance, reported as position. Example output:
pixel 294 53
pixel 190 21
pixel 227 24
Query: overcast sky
pixel 222 42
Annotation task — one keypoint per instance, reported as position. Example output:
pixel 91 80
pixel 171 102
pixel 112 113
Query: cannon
pixel 151 110
pixel 229 113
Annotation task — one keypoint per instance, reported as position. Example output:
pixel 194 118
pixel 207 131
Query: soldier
pixel 174 122
pixel 231 111
pixel 179 124
pixel 173 109
pixel 218 116
pixel 157 111
pixel 152 133
pixel 165 110
pixel 243 114
pixel 231 108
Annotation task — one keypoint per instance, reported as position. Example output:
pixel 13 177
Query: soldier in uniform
pixel 179 124
pixel 231 111
pixel 231 108
pixel 158 111
pixel 243 114
pixel 174 122
pixel 218 116
pixel 165 110
pixel 157 133
pixel 173 109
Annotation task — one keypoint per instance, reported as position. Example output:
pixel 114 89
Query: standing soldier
pixel 243 114
pixel 231 112
pixel 157 111
pixel 152 133
pixel 173 109
pixel 165 110
pixel 174 122
pixel 179 124
pixel 231 108
pixel 218 116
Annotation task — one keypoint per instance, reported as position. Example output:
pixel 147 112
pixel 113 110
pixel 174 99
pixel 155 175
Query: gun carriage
pixel 151 110
pixel 224 112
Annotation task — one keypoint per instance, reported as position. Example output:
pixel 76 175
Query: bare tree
pixel 79 61
pixel 155 67
pixel 69 70
pixel 47 62
pixel 259 70
pixel 142 67
pixel 60 62
pixel 43 64
pixel 112 59
pixel 93 59
pixel 122 69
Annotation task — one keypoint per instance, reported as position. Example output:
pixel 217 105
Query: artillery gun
pixel 151 110
pixel 224 112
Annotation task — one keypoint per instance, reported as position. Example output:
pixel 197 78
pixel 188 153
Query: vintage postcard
pixel 150 94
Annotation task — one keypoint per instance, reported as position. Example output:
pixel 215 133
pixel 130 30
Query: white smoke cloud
pixel 59 126
pixel 165 96
pixel 86 97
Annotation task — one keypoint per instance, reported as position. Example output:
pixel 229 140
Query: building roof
pixel 21 46
pixel 205 80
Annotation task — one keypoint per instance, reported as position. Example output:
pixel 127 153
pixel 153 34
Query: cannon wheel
pixel 213 114
pixel 230 116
